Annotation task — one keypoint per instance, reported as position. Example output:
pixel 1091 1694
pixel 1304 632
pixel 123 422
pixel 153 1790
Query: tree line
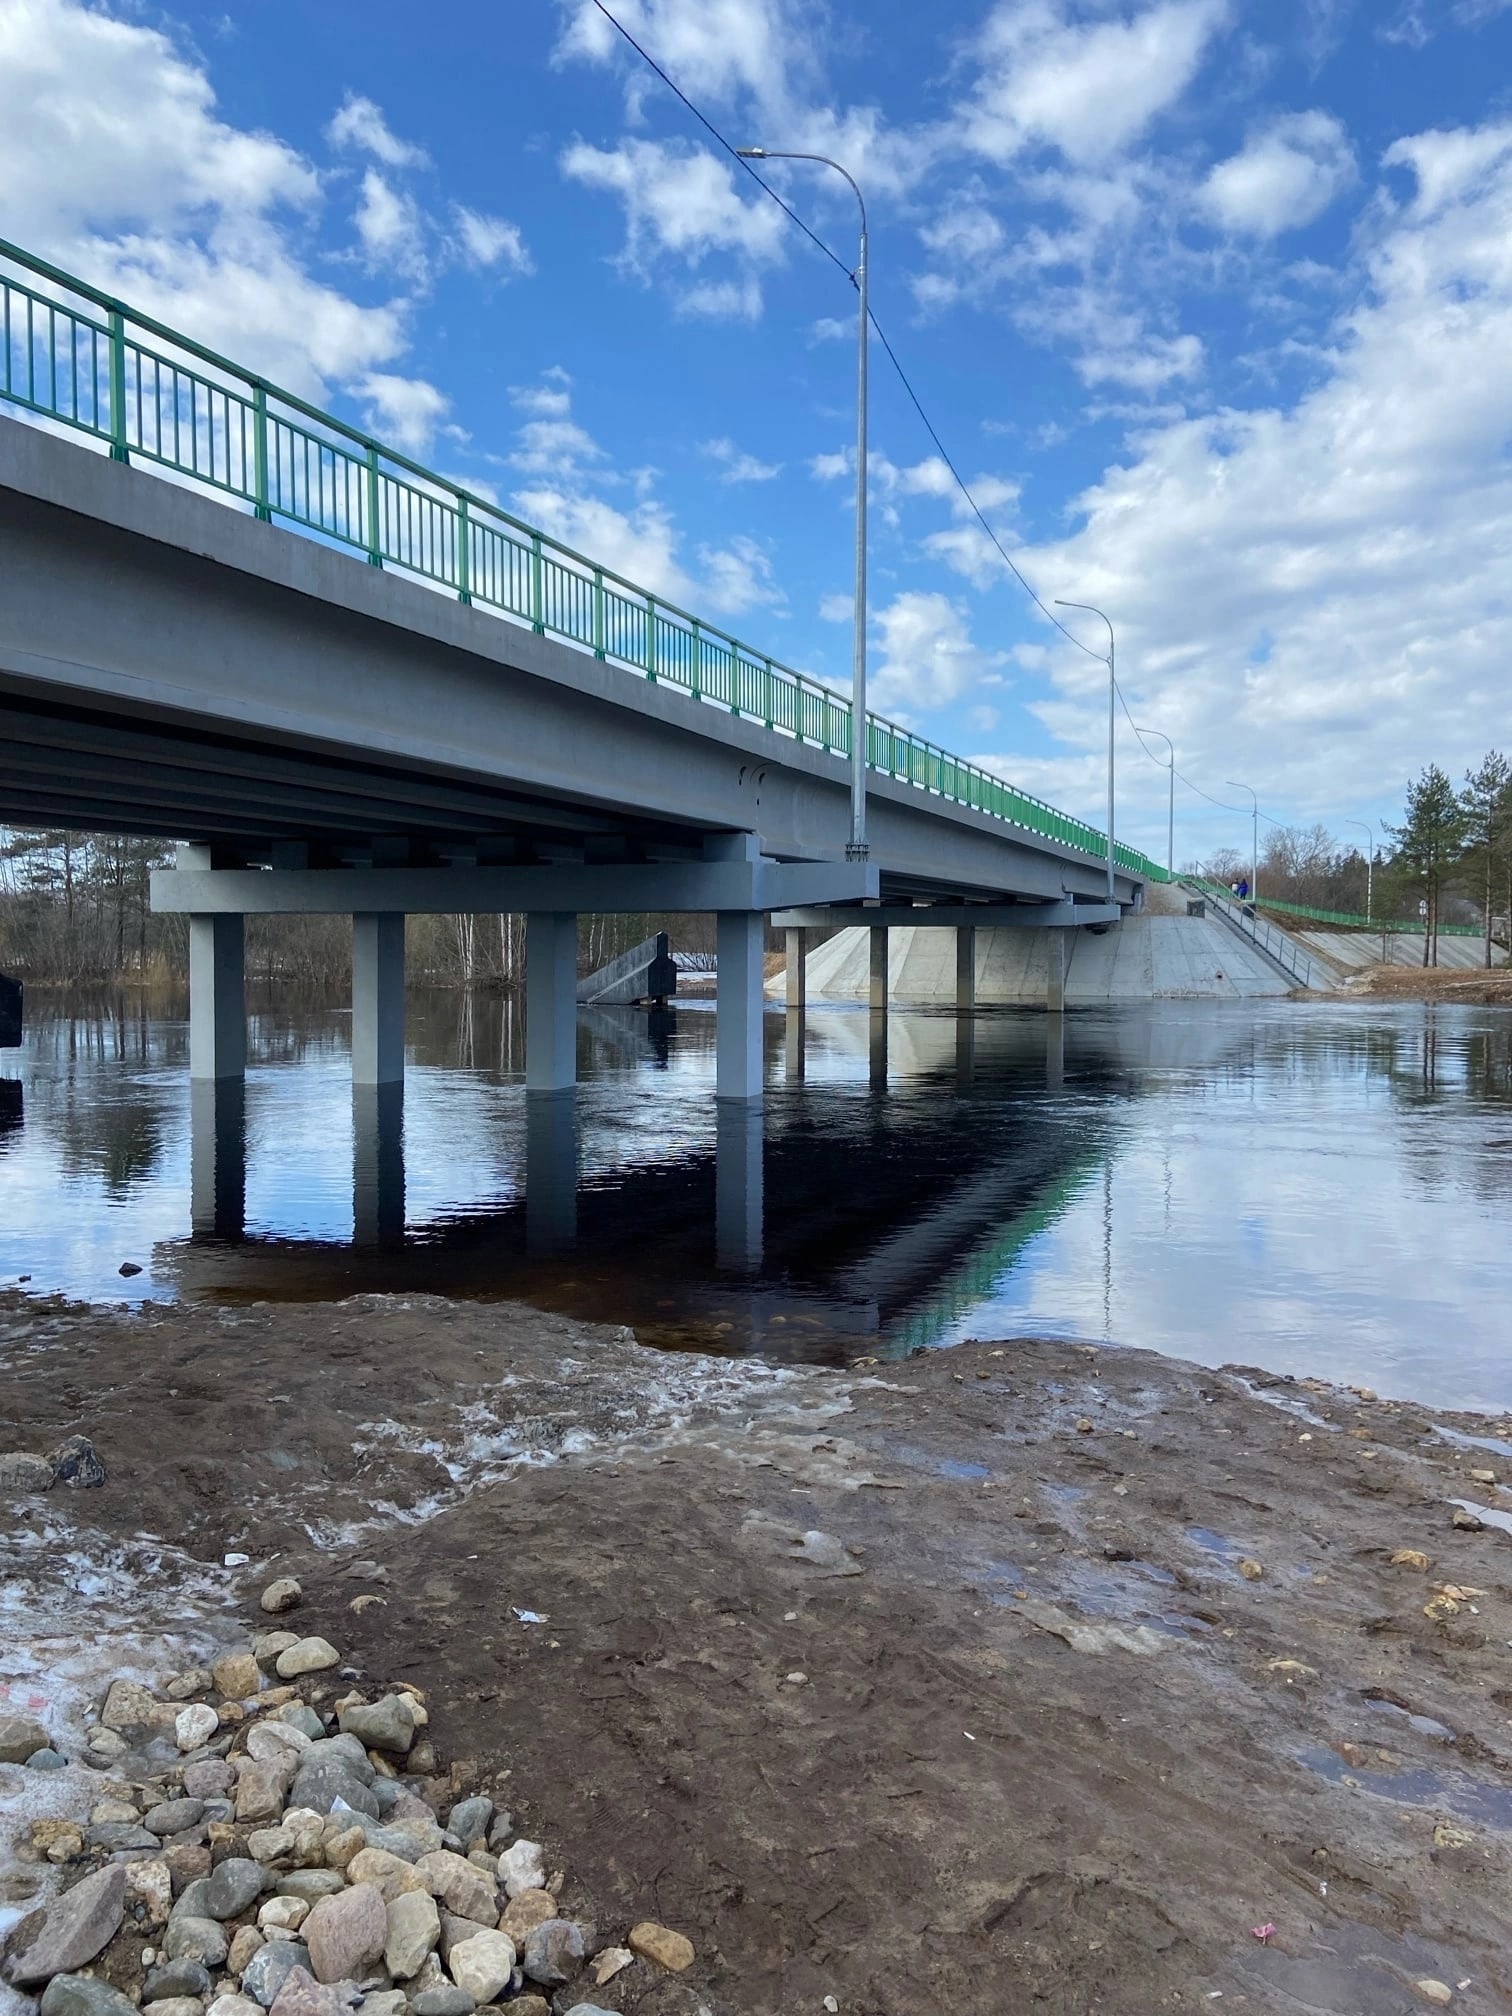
pixel 1452 853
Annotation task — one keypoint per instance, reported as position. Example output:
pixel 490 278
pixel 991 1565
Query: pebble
pixel 302 1995
pixel 238 1676
pixel 176 1977
pixel 22 1473
pixel 195 1938
pixel 234 2005
pixel 46 1759
pixel 284 1594
pixel 260 1788
pixel 83 1995
pixel 209 1778
pixel 388 1724
pixel 234 1886
pixel 283 1914
pixel 391 1874
pixel 267 1970
pixel 462 1888
pixel 184 1686
pixel 174 1816
pixel 271 1742
pixel 469 1820
pixel 414 1926
pixel 522 1914
pixel 310 1884
pixel 306 1655
pixel 613 1960
pixel 245 1941
pixel 660 1945
pixel 483 1964
pixel 521 1868
pixel 1251 1570
pixel 149 1885
pixel 346 1933
pixel 75 1464
pixel 74 1927
pixel 128 1705
pixel 1438 1992
pixel 442 2002
pixel 194 1726
pixel 553 1953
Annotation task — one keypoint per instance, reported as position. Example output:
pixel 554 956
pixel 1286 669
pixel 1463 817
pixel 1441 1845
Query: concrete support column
pixel 217 1158
pixel 879 968
pixel 551 1171
pixel 738 1178
pixel 965 969
pixel 1056 957
pixel 378 1164
pixel 795 1044
pixel 550 1000
pixel 742 949
pixel 377 998
pixel 217 997
pixel 797 969
pixel 1055 1050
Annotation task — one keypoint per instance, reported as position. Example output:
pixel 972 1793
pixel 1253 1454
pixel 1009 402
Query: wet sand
pixel 1056 1744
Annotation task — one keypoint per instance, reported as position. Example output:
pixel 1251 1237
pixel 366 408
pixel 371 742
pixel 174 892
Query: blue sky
pixel 1210 300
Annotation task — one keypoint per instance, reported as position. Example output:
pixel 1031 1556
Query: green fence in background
pixel 1351 919
pixel 79 358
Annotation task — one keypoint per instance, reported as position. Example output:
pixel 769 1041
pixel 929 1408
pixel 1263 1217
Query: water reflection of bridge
pixel 844 1216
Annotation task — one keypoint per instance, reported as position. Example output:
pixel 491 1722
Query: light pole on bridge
pixel 1112 704
pixel 1170 798
pixel 1369 831
pixel 857 849
pixel 1235 785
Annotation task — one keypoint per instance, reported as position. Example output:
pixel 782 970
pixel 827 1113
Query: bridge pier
pixel 1057 950
pixel 378 1163
pixel 797 968
pixel 965 969
pixel 377 998
pixel 217 1158
pixel 738 1064
pixel 551 1169
pixel 879 969
pixel 217 998
pixel 550 1000
pixel 738 1192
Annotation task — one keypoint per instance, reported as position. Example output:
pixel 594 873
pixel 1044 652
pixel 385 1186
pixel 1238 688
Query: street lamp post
pixel 1235 785
pixel 1112 698
pixel 1171 797
pixel 857 849
pixel 1369 831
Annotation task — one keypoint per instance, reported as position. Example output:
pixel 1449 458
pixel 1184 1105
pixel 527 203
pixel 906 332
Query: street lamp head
pixel 752 153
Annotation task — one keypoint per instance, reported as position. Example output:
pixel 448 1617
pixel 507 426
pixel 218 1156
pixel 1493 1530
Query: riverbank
pixel 1478 988
pixel 1019 1675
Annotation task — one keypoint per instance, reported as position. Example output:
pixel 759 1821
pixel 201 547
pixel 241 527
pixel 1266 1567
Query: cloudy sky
pixel 1209 300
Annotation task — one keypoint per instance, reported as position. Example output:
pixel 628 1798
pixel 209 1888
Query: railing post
pixel 374 546
pixel 260 453
pixel 695 663
pixel 651 638
pixel 766 692
pixel 464 553
pixel 598 612
pixel 537 587
pixel 119 452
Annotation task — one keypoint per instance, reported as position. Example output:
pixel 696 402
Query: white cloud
pixel 490 243
pixel 830 329
pixel 837 608
pixel 361 124
pixel 1089 89
pixel 737 577
pixel 550 400
pixel 677 200
pixel 1322 586
pixel 391 226
pixel 722 300
pixel 1284 177
pixel 1144 365
pixel 926 657
pixel 738 465
pixel 405 411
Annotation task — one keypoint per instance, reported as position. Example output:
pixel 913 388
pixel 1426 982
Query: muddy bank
pixel 951 1685
pixel 1431 983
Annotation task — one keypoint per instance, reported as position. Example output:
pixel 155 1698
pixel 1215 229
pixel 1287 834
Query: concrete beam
pixel 739 1000
pixel 377 998
pixel 953 916
pixel 550 1001
pixel 674 885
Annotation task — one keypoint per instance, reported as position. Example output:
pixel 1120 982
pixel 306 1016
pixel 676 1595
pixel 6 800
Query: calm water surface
pixel 1310 1188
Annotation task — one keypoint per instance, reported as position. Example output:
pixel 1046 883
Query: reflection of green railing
pixel 980 1270
pixel 156 397
pixel 1408 926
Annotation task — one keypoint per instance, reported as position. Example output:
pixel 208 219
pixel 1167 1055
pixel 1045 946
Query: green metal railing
pixel 77 357
pixel 1351 919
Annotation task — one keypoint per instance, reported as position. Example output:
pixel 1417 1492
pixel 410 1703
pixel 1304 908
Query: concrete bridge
pixel 316 690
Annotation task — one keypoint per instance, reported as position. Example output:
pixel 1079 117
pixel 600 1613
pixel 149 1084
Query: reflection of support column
pixel 797 969
pixel 551 1172
pixel 217 997
pixel 550 1000
pixel 217 1158
pixel 742 948
pixel 876 1048
pixel 1056 949
pixel 965 969
pixel 879 969
pixel 738 1186
pixel 1055 1049
pixel 794 1044
pixel 378 1164
pixel 377 998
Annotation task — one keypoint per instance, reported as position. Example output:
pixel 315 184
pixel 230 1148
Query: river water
pixel 1311 1188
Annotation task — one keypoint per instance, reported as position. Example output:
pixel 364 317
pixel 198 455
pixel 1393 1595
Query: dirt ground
pixel 1105 1660
pixel 1432 983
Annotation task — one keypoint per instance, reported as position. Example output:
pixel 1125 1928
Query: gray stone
pixel 303 1995
pixel 319 1786
pixel 306 1655
pixel 46 1759
pixel 83 1995
pixel 465 1890
pixel 20 1735
pixel 346 1934
pixel 210 1778
pixel 483 1964
pixel 196 1939
pixel 76 1465
pixel 408 1839
pixel 388 1724
pixel 442 2002
pixel 116 1834
pixel 21 1473
pixel 174 1816
pixel 74 1928
pixel 233 2005
pixel 414 1926
pixel 179 2005
pixel 191 1900
pixel 269 1969
pixel 194 1726
pixel 300 1715
pixel 345 1750
pixel 553 1952
pixel 284 1594
pixel 129 1705
pixel 179 1977
pixel 310 1884
pixel 387 1792
pixel 469 1819
pixel 261 1789
pixel 233 1887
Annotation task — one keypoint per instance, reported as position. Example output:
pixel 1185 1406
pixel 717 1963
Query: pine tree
pixel 1486 807
pixel 1429 842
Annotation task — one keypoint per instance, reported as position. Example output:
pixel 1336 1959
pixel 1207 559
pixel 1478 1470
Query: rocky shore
pixel 1025 1676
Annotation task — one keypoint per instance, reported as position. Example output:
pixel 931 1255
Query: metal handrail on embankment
pixel 156 397
pixel 1281 950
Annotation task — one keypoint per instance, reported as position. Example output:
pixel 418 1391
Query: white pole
pixel 1170 796
pixel 1369 831
pixel 1235 785
pixel 1091 610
